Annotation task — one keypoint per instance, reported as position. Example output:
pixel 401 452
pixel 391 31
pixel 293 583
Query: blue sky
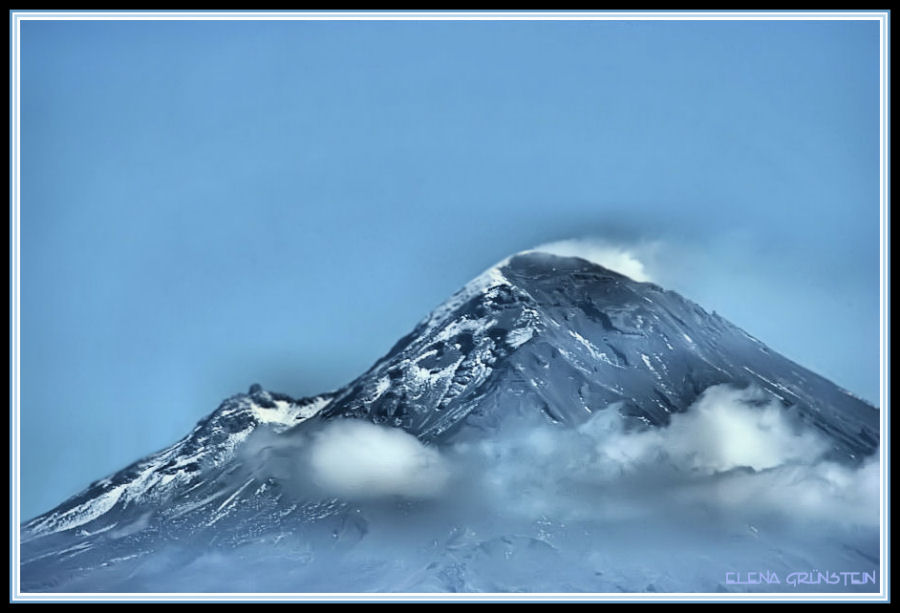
pixel 210 204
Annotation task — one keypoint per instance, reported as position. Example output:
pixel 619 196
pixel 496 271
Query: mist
pixel 735 484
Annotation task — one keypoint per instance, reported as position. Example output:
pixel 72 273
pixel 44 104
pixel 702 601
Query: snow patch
pixel 381 386
pixel 487 280
pixel 518 337
pixel 286 414
pixel 82 513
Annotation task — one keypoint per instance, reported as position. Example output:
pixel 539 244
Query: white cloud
pixel 824 491
pixel 737 451
pixel 727 428
pixel 629 261
pixel 356 459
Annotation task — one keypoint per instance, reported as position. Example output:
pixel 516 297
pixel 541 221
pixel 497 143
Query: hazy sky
pixel 210 204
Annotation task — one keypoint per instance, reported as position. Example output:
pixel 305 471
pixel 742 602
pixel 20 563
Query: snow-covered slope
pixel 182 468
pixel 538 339
pixel 567 337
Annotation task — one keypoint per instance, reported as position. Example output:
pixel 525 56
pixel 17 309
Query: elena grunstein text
pixel 815 577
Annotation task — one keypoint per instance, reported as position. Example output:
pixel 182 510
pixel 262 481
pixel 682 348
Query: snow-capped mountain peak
pixel 538 339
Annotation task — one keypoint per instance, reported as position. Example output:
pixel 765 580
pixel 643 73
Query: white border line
pixel 16 304
pixel 16 19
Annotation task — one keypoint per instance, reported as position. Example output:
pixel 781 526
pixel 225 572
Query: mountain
pixel 538 341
